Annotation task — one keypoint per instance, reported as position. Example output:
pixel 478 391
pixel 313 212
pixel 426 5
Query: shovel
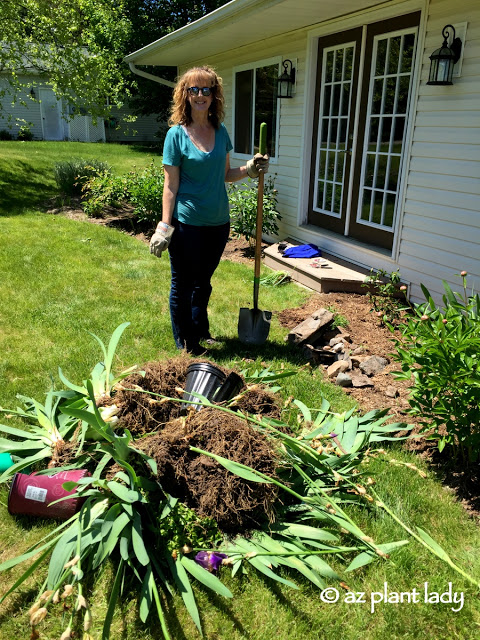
pixel 254 324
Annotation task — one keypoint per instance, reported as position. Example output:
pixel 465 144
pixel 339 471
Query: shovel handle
pixel 259 224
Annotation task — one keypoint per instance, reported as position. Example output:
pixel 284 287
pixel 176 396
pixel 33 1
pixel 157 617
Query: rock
pixel 344 380
pixel 360 380
pixel 318 356
pixel 312 328
pixel 336 340
pixel 391 392
pixel 358 351
pixel 338 348
pixel 337 367
pixel 373 365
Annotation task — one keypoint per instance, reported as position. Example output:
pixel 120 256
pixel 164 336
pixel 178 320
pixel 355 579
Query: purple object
pixel 32 494
pixel 209 560
pixel 302 251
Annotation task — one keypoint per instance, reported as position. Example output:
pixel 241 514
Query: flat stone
pixel 356 360
pixel 391 392
pixel 312 328
pixel 338 348
pixel 360 380
pixel 344 380
pixel 373 365
pixel 337 367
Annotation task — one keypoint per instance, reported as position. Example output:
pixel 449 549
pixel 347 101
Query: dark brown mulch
pixel 237 505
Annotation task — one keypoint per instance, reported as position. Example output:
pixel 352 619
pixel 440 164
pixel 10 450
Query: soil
pixel 364 329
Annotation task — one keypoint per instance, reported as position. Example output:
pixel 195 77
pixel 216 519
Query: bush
pixel 72 175
pixel 145 192
pixel 103 190
pixel 25 133
pixel 5 135
pixel 440 348
pixel 243 208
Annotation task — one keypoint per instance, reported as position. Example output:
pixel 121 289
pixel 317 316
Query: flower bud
pixel 38 616
pixel 403 287
pixel 66 634
pixel 67 591
pixel 463 274
pixel 424 317
pixel 444 321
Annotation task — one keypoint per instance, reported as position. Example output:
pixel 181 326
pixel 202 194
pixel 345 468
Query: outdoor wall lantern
pixel 286 80
pixel 444 59
pixel 32 93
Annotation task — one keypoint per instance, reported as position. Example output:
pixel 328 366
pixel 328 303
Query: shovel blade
pixel 253 325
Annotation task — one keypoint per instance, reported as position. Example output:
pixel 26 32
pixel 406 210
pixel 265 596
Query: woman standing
pixel 195 218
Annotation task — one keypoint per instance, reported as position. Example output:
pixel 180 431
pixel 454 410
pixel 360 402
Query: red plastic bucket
pixel 32 494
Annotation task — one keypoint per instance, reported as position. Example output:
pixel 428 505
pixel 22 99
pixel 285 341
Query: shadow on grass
pixel 232 348
pixel 22 188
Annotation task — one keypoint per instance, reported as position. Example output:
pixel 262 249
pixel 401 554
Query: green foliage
pixel 145 192
pixel 181 527
pixel 72 175
pixel 243 208
pixel 5 135
pixel 383 290
pixel 25 133
pixel 439 348
pixel 103 190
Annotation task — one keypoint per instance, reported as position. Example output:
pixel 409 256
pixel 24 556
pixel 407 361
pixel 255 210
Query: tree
pixel 75 45
pixel 78 46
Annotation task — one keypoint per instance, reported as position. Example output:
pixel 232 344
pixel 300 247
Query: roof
pixel 240 23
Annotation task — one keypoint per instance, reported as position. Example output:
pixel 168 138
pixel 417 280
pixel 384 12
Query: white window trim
pixel 246 67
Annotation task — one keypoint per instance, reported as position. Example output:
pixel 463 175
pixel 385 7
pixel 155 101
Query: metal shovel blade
pixel 253 325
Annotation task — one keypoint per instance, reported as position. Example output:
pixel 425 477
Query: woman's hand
pixel 256 164
pixel 161 238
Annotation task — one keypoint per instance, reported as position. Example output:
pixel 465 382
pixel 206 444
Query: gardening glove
pixel 161 238
pixel 256 164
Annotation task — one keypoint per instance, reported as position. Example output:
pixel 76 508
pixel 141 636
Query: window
pixel 255 102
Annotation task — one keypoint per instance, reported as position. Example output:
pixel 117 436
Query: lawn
pixel 63 279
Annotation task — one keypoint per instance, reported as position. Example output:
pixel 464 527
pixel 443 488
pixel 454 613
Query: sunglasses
pixel 195 91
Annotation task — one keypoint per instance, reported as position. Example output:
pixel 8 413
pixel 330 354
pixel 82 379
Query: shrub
pixel 25 133
pixel 383 292
pixel 71 175
pixel 243 208
pixel 5 135
pixel 145 192
pixel 103 190
pixel 440 349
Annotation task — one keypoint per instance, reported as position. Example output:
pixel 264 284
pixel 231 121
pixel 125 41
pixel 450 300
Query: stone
pixel 337 367
pixel 336 340
pixel 311 329
pixel 356 360
pixel 358 351
pixel 344 380
pixel 391 392
pixel 373 365
pixel 338 348
pixel 360 380
pixel 318 356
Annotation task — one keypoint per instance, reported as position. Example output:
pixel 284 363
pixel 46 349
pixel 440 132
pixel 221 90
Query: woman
pixel 195 218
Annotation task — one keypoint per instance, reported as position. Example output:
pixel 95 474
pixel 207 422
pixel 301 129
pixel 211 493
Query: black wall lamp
pixel 444 59
pixel 32 93
pixel 286 81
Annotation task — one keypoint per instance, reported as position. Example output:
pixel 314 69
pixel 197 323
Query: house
pixel 373 164
pixel 50 118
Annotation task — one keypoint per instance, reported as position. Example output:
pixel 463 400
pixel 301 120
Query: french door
pixel 357 195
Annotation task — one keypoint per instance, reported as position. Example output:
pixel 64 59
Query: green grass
pixel 61 279
pixel 26 168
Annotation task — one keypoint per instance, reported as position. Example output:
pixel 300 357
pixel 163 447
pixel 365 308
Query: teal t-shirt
pixel 202 198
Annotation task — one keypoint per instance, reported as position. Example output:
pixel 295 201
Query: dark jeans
pixel 194 255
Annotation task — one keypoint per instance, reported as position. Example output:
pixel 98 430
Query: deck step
pixel 333 274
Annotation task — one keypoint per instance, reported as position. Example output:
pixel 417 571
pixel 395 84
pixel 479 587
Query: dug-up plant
pixel 383 291
pixel 243 208
pixel 71 175
pixel 439 349
pixel 157 543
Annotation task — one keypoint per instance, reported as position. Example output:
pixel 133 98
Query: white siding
pixel 30 113
pixel 440 233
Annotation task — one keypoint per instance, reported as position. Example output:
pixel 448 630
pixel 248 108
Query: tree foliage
pixel 78 46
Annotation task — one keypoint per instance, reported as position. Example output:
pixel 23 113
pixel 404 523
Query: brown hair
pixel 181 111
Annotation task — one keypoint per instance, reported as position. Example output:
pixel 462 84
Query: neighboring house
pixel 49 118
pixel 373 165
